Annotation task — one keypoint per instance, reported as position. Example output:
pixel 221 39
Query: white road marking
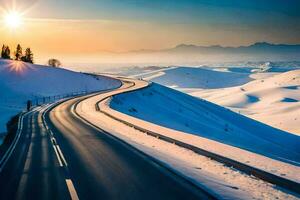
pixel 58 158
pixel 62 155
pixel 72 190
pixel 28 159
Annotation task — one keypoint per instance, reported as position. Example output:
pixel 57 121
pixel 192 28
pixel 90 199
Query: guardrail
pixel 35 102
pixel 247 169
pixel 21 104
pixel 52 99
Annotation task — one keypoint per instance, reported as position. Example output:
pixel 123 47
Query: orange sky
pixel 55 37
pixel 80 29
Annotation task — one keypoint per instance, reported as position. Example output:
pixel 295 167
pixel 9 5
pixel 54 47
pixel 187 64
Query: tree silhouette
pixel 5 53
pixel 28 57
pixel 18 53
pixel 54 62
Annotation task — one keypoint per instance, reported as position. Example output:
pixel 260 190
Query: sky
pixel 90 27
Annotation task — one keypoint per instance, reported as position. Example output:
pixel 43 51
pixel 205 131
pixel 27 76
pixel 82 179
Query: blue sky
pixel 237 14
pixel 125 25
pixel 172 10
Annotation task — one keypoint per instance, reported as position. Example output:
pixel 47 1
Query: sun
pixel 13 19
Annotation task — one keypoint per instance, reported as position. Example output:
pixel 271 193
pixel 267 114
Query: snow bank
pixel 172 109
pixel 20 82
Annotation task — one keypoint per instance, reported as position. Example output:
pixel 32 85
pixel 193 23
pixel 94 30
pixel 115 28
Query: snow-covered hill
pixel 274 99
pixel 268 92
pixel 172 109
pixel 20 82
pixel 191 77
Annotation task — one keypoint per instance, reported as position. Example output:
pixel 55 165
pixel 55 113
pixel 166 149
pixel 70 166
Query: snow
pixel 197 78
pixel 271 101
pixel 175 110
pixel 223 181
pixel 20 82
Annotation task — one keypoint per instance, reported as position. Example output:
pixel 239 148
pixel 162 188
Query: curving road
pixel 77 160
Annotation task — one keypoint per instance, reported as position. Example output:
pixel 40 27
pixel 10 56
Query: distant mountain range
pixel 260 51
pixel 259 47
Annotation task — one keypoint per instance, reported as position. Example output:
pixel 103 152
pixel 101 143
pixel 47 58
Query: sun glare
pixel 13 19
pixel 17 67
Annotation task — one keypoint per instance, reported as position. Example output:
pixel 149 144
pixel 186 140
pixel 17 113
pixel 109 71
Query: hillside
pixel 172 109
pixel 20 82
pixel 268 92
pixel 190 77
pixel 274 99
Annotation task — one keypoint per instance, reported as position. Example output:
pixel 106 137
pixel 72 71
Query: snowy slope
pixel 191 77
pixel 176 110
pixel 20 82
pixel 226 182
pixel 274 100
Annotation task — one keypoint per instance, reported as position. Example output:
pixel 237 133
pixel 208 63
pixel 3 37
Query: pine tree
pixel 3 51
pixel 18 53
pixel 28 57
pixel 7 53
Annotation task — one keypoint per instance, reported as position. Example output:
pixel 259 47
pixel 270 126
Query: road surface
pixel 32 171
pixel 96 165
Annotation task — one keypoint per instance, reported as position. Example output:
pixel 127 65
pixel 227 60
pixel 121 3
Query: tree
pixel 18 53
pixel 5 53
pixel 28 57
pixel 54 62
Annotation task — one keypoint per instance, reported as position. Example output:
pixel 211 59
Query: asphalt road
pixel 33 171
pixel 99 166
